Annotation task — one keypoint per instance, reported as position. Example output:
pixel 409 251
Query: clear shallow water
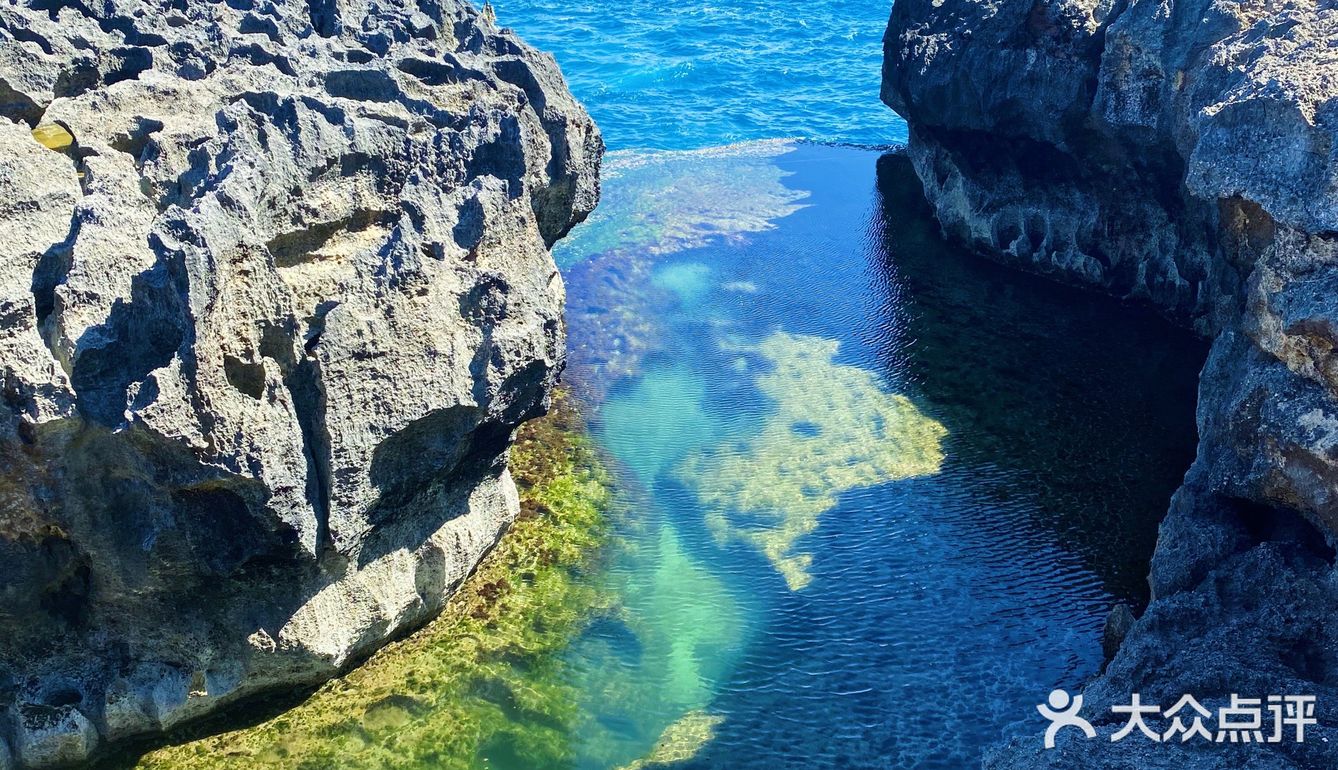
pixel 702 73
pixel 880 495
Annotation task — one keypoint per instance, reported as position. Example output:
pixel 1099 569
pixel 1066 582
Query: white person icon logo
pixel 1063 712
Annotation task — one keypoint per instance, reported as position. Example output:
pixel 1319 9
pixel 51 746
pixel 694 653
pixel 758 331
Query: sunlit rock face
pixel 1182 154
pixel 276 290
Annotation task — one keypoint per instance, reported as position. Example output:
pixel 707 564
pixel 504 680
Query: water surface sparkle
pixel 702 73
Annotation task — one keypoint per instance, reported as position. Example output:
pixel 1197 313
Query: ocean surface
pixel 703 73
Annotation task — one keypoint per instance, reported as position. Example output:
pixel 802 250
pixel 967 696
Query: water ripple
pixel 701 73
pixel 944 584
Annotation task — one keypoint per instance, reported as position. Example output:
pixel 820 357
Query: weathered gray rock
pixel 1185 154
pixel 51 736
pixel 266 326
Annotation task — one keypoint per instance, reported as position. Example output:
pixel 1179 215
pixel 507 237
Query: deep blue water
pixel 702 73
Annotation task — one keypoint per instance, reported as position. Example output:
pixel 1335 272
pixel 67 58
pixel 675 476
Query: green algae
pixel 833 428
pixel 484 684
pixel 656 204
pixel 681 741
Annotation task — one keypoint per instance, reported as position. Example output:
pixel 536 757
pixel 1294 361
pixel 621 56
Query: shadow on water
pixel 937 604
pixel 1088 398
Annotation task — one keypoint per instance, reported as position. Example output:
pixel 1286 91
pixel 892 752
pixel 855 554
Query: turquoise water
pixel 702 73
pixel 879 496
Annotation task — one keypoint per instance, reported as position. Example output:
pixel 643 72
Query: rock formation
pixel 275 293
pixel 1184 154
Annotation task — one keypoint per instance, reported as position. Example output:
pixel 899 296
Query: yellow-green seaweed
pixel 833 428
pixel 681 741
pixel 485 676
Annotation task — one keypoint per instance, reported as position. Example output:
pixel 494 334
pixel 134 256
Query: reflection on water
pixel 881 494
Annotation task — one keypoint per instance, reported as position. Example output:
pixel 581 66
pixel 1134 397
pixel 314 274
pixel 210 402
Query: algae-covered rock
pixel 53 136
pixel 487 673
pixel 267 321
pixel 832 428
pixel 663 203
pixel 681 741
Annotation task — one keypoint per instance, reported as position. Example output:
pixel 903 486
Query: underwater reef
pixel 832 428
pixel 277 291
pixel 1183 155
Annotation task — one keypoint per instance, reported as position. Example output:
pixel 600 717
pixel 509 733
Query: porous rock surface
pixel 1183 153
pixel 275 292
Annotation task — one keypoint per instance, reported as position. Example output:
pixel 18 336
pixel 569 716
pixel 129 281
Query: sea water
pixel 880 495
pixel 703 73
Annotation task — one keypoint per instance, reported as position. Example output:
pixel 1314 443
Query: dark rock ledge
pixel 275 291
pixel 1184 154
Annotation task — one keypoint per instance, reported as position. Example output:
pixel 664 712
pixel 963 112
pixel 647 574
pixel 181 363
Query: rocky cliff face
pixel 1184 154
pixel 275 292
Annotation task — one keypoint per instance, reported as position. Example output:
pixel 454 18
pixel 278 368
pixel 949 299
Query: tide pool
pixel 880 494
pixel 862 500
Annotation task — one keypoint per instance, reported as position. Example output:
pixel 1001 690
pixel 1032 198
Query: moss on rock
pixel 681 741
pixel 484 678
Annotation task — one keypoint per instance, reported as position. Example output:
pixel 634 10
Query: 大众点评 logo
pixel 1244 720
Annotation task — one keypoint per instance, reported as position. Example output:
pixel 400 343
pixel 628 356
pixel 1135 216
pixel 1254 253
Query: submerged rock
pixel 833 429
pixel 1184 154
pixel 681 741
pixel 277 291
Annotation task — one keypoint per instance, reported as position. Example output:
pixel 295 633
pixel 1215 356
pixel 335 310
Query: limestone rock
pixel 48 736
pixel 1183 154
pixel 276 291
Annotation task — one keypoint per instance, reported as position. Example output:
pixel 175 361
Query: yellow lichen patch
pixel 833 428
pixel 53 136
pixel 486 675
pixel 681 741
